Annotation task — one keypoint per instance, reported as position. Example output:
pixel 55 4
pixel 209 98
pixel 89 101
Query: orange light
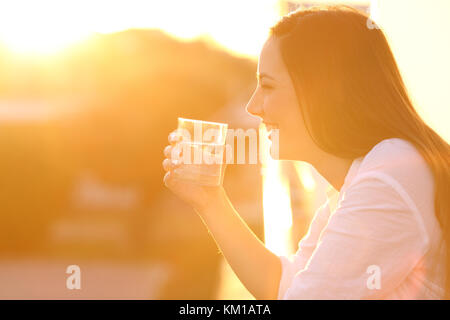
pixel 48 26
pixel 276 205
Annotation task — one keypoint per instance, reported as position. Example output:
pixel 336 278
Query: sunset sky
pixel 47 26
pixel 240 26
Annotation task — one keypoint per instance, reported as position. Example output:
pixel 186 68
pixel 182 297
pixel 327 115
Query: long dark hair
pixel 352 95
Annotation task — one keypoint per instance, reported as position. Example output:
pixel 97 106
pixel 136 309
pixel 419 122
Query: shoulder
pixel 391 153
pixel 397 159
pixel 396 169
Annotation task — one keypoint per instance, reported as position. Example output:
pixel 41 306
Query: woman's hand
pixel 198 196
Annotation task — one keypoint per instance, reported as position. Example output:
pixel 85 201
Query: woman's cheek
pixel 272 107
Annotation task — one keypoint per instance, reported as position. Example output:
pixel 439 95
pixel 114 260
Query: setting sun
pixel 40 26
pixel 49 26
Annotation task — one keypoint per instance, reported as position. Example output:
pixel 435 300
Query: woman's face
pixel 275 102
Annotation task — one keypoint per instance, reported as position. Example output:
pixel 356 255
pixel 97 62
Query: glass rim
pixel 221 124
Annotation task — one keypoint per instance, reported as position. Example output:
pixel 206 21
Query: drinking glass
pixel 202 145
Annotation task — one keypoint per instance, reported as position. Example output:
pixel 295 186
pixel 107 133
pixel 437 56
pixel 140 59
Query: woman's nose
pixel 253 107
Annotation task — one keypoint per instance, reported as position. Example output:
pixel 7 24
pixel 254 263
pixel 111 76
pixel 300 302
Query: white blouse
pixel 376 239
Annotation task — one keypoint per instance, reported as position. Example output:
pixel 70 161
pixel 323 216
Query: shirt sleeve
pixel 375 229
pixel 291 264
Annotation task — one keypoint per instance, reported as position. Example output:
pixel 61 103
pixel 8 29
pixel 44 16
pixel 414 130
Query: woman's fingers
pixel 167 151
pixel 173 151
pixel 167 178
pixel 169 164
pixel 174 137
pixel 166 164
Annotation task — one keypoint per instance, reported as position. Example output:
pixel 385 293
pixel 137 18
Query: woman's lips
pixel 270 127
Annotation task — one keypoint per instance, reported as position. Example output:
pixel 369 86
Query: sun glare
pixel 48 26
pixel 40 26
pixel 40 41
pixel 306 177
pixel 277 210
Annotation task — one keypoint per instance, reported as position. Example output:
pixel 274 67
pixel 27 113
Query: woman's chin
pixel 283 153
pixel 275 153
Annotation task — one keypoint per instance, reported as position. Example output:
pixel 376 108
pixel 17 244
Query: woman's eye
pixel 267 87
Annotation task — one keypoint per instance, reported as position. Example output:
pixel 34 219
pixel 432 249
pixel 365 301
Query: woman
pixel 331 86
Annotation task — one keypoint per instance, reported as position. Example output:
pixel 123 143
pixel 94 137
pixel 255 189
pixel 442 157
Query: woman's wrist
pixel 215 200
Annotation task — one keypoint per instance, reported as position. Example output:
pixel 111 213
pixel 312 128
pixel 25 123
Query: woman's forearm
pixel 256 266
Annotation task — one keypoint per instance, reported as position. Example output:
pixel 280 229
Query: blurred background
pixel 89 91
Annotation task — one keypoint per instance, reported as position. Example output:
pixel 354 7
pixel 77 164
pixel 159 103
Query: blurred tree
pixel 127 90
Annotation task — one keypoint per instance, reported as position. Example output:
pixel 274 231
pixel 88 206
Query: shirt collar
pixel 333 195
pixel 351 173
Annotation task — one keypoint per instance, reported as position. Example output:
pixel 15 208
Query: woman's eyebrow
pixel 259 76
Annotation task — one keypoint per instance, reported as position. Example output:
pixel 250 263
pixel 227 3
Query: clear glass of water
pixel 202 145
